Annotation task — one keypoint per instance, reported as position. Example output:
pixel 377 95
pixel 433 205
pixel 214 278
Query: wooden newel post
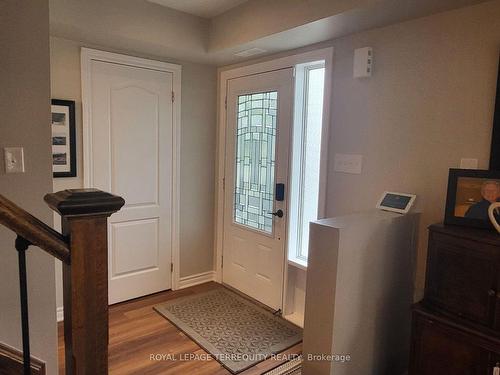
pixel 85 278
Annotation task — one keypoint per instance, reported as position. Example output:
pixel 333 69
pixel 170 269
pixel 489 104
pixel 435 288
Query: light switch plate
pixel 14 159
pixel 348 163
pixel 467 163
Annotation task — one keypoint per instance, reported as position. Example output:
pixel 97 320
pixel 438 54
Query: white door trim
pixel 87 56
pixel 325 54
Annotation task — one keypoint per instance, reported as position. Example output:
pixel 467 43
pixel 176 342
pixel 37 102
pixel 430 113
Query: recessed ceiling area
pixel 249 28
pixel 200 8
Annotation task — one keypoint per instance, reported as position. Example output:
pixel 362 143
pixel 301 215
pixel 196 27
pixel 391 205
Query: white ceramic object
pixel 491 214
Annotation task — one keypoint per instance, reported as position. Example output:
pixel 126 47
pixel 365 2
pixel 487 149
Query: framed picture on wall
pixel 470 194
pixel 63 138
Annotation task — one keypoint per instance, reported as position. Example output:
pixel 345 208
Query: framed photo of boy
pixel 63 138
pixel 470 194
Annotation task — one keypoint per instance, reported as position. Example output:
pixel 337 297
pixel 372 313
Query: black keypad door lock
pixel 280 193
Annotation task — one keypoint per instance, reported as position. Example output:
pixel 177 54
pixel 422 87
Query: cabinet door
pixel 462 278
pixel 494 361
pixel 438 349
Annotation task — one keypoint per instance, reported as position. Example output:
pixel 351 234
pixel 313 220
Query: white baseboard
pixel 200 278
pixel 184 282
pixel 60 314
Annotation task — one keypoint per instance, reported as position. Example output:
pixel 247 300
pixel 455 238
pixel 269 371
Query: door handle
pixel 278 213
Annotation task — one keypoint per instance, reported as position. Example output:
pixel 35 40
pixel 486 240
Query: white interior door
pixel 131 145
pixel 259 117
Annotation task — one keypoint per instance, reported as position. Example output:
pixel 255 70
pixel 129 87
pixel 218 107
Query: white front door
pixel 259 117
pixel 131 144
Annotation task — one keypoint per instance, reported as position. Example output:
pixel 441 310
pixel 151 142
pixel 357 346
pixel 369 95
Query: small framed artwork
pixel 63 138
pixel 470 194
pixel 396 202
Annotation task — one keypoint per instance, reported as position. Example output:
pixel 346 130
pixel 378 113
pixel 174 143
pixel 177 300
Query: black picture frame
pixel 453 177
pixel 68 143
pixel 495 137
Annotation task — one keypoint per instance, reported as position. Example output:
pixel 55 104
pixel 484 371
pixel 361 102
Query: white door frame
pixel 325 54
pixel 87 56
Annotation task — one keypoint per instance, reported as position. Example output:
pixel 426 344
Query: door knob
pixel 278 213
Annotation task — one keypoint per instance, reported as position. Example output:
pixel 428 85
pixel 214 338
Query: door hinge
pixel 225 102
pixel 171 267
pixel 222 262
pixel 223 183
pixel 173 96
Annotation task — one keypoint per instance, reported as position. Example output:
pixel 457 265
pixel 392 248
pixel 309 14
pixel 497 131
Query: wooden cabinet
pixel 463 275
pixel 456 328
pixel 441 347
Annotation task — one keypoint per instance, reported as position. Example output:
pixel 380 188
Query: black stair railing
pixel 21 247
pixel 29 231
pixel 84 217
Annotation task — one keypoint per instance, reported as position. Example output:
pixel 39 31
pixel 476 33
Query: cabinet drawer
pixel 462 278
pixel 439 348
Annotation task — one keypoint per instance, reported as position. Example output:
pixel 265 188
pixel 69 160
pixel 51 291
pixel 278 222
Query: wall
pixel 259 18
pixel 263 24
pixel 197 148
pixel 66 84
pixel 25 114
pixel 130 25
pixel 428 104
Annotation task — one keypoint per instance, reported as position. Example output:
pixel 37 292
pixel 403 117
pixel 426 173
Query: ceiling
pixel 163 33
pixel 200 8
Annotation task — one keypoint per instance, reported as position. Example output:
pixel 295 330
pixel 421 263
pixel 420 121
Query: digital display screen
pixel 395 201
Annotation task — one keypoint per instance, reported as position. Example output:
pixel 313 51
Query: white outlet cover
pixel 348 163
pixel 14 159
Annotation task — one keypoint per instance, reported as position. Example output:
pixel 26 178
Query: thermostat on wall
pixel 396 202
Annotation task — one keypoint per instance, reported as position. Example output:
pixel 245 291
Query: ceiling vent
pixel 250 52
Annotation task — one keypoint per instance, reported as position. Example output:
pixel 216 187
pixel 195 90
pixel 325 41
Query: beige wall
pixel 281 25
pixel 130 25
pixel 197 148
pixel 428 104
pixel 256 19
pixel 25 121
pixel 198 136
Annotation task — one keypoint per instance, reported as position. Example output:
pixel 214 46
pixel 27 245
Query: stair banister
pixel 33 230
pixel 83 250
pixel 84 216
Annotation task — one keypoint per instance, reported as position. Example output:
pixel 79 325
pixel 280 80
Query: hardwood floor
pixel 136 332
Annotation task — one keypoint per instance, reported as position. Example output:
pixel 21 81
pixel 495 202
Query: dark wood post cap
pixel 83 202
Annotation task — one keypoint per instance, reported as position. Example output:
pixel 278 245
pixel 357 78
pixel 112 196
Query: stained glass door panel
pixel 257 145
pixel 255 160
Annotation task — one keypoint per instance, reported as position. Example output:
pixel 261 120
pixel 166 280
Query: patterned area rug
pixel 235 331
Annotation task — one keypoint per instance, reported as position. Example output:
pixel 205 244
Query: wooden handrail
pixel 83 248
pixel 33 230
